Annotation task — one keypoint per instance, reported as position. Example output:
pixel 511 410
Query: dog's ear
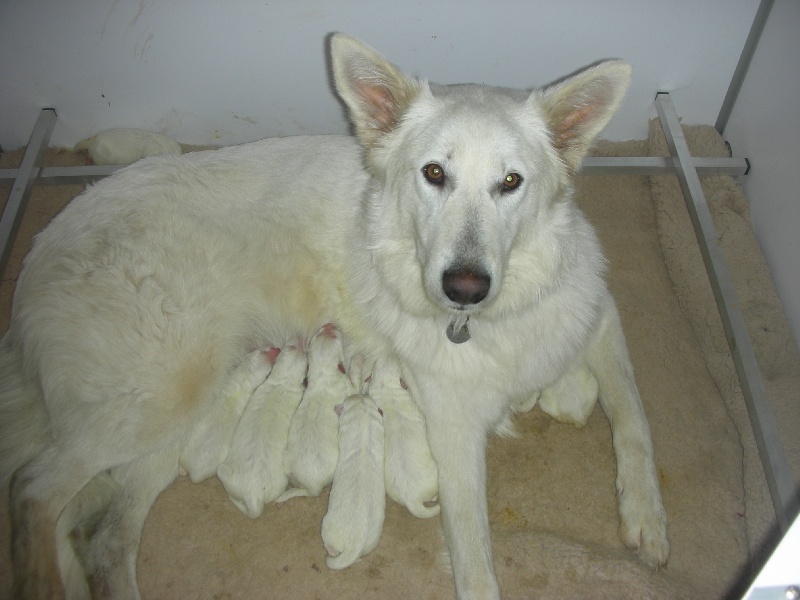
pixel 375 91
pixel 578 107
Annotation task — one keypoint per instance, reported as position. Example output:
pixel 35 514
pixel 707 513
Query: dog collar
pixel 458 336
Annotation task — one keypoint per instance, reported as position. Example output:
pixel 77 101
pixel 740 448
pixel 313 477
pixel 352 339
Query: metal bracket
pixel 776 468
pixel 592 165
pixel 24 180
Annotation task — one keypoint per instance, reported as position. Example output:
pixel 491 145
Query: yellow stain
pixel 512 518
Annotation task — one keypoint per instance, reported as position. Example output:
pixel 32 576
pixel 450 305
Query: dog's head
pixel 467 179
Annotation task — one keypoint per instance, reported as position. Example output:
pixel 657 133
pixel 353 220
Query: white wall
pixel 229 71
pixel 222 72
pixel 765 126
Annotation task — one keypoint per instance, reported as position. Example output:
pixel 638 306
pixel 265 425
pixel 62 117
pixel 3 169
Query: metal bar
pixel 779 478
pixel 63 175
pixel 23 183
pixel 740 72
pixel 656 165
pixel 592 165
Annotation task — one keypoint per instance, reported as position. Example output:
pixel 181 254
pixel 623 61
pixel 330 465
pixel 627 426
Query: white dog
pixel 357 503
pixel 444 235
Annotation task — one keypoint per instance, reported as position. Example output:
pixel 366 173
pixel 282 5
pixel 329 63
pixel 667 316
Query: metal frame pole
pixel 592 165
pixel 776 468
pixel 23 183
pixel 743 65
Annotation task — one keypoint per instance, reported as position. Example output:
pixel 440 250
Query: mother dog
pixel 444 237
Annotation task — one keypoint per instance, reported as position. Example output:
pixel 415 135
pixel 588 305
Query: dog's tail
pixel 24 433
pixel 24 423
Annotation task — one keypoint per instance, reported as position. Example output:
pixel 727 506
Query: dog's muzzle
pixel 466 286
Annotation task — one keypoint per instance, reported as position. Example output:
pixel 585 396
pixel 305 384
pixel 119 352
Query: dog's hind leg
pixel 38 494
pixel 643 521
pixel 107 542
pixel 571 399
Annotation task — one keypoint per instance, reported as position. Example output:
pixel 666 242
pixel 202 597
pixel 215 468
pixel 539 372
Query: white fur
pixel 141 296
pixel 126 146
pixel 572 398
pixel 352 526
pixel 313 448
pixel 410 471
pixel 253 473
pixel 208 445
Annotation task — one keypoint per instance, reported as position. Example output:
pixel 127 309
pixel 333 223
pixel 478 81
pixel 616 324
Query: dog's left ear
pixel 578 107
pixel 376 92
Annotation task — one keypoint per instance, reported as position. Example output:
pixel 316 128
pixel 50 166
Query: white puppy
pixel 312 450
pixel 208 445
pixel 253 473
pixel 126 146
pixel 352 526
pixel 410 471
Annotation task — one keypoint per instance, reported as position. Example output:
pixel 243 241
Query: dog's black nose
pixel 466 286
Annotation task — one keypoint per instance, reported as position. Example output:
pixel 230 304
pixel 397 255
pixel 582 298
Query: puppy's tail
pixel 24 423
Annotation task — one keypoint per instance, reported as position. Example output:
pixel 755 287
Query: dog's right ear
pixel 580 106
pixel 375 91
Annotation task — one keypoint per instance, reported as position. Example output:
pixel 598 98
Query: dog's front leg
pixel 457 431
pixel 643 521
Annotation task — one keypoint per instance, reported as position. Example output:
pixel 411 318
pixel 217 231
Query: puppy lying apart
pixel 209 443
pixel 126 146
pixel 312 449
pixel 253 473
pixel 352 526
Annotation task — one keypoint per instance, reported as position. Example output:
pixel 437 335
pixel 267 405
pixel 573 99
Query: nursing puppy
pixel 410 471
pixel 253 473
pixel 208 445
pixel 357 503
pixel 312 449
pixel 443 235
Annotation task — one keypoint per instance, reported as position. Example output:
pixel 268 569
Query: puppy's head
pixel 467 179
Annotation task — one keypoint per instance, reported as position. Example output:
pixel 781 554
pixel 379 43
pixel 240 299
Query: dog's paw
pixel 643 528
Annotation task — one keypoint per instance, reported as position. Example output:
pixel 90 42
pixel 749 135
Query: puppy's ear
pixel 374 90
pixel 578 107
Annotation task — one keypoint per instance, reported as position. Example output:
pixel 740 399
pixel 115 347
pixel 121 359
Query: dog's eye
pixel 433 173
pixel 511 182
